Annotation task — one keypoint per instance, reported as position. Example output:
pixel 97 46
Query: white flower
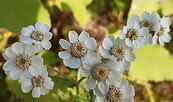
pixel 100 73
pixel 117 50
pixel 162 34
pixel 38 35
pixel 77 49
pixel 20 57
pixel 121 92
pixel 38 82
pixel 151 21
pixel 134 35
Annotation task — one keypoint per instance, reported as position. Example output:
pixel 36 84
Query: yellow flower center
pixel 37 35
pixel 114 94
pixel 78 49
pixel 132 34
pixel 100 72
pixel 118 52
pixel 37 81
pixel 23 61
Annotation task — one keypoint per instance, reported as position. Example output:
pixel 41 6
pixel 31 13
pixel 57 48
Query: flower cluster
pixel 146 30
pixel 103 68
pixel 23 62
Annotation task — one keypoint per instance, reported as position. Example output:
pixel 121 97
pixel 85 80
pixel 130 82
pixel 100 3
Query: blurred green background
pixel 151 73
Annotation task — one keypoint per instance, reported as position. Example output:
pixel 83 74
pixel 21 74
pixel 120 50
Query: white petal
pixel 64 44
pixel 142 41
pixel 27 74
pixel 125 64
pixel 42 27
pixel 64 54
pixel 128 42
pixel 166 37
pixel 26 32
pixel 46 44
pixel 15 73
pixel 103 51
pixel 113 78
pixel 125 30
pixel 31 27
pixel 48 35
pixel 114 65
pixel 44 91
pixel 107 43
pixel 100 99
pixel 92 61
pixel 33 71
pixel 90 83
pixel 27 41
pixel 103 87
pixel 30 50
pixel 130 56
pixel 9 53
pixel 83 36
pixel 36 92
pixel 5 56
pixel 122 35
pixel 9 65
pixel 85 73
pixel 98 92
pixel 75 63
pixel 143 31
pixel 26 82
pixel 145 15
pixel 86 67
pixel 48 83
pixel 161 41
pixel 27 89
pixel 38 48
pixel 17 48
pixel 43 71
pixel 128 99
pixel 136 44
pixel 135 17
pixel 91 44
pixel 67 61
pixel 73 36
pixel 154 40
pixel 36 60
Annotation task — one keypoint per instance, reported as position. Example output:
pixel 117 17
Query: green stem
pixel 92 97
pixel 80 80
pixel 77 84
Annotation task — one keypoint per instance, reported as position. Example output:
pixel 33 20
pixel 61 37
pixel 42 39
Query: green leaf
pixel 15 87
pixel 15 14
pixel 50 58
pixel 78 7
pixel 64 81
pixel 138 6
pixel 153 62
pixel 167 7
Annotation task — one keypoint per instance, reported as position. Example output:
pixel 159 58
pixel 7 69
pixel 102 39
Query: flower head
pixel 38 82
pixel 162 34
pixel 134 35
pixel 38 34
pixel 100 73
pixel 117 50
pixel 20 57
pixel 150 21
pixel 77 49
pixel 121 92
